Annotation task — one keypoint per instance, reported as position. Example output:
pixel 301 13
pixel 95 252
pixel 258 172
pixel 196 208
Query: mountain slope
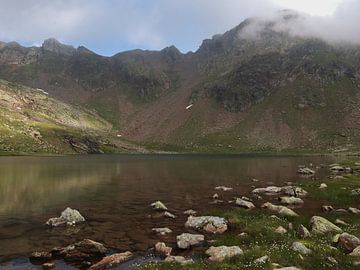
pixel 253 88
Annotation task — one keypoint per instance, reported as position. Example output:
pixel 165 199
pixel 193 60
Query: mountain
pixel 257 87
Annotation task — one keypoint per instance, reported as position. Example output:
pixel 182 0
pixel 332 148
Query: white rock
pixel 218 254
pixel 187 240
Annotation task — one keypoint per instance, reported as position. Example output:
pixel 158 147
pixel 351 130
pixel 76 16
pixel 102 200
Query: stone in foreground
pixel 187 240
pixel 301 248
pixel 320 225
pixel 244 204
pixel 68 217
pixel 218 254
pixel 112 261
pixel 178 259
pixel 209 224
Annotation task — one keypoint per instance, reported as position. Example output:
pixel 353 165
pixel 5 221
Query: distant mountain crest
pixel 56 46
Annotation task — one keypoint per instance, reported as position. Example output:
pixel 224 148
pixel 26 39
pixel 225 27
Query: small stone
pixel 215 196
pixel 301 248
pixel 219 254
pixel 190 212
pixel 327 208
pixel 262 260
pixel 244 204
pixel 162 250
pixel 303 232
pixel 291 200
pixel 112 261
pixel 281 230
pixel 323 185
pixel 223 188
pixel 243 234
pixel 332 260
pixel 158 206
pixel 187 240
pixel 178 259
pixel 355 192
pixel 169 215
pixel 340 222
pixel 281 210
pixel 48 266
pixel 354 210
pixel 162 231
pixel 209 224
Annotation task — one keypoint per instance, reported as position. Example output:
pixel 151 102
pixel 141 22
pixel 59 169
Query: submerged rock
pixel 306 171
pixel 190 212
pixel 48 265
pixel 286 190
pixel 112 261
pixel 162 250
pixel 355 192
pixel 207 223
pixel 178 259
pixel 244 203
pixel 162 231
pixel 68 217
pixel 158 206
pixel 320 225
pixel 348 242
pixel 301 248
pixel 281 210
pixel 187 240
pixel 218 254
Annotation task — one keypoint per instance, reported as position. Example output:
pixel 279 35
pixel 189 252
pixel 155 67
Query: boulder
pixel 303 232
pixel 262 260
pixel 112 261
pixel 348 242
pixel 323 185
pixel 68 217
pixel 209 224
pixel 355 192
pixel 244 204
pixel 271 190
pixel 162 250
pixel 301 248
pixel 340 222
pixel 158 206
pixel 187 240
pixel 294 191
pixel 291 200
pixel 178 259
pixel 218 254
pixel 281 230
pixel 320 225
pixel 162 231
pixel 169 215
pixel 281 210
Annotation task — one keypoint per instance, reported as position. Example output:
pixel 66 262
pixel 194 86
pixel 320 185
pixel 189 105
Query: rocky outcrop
pixel 187 240
pixel 320 225
pixel 68 217
pixel 209 224
pixel 218 254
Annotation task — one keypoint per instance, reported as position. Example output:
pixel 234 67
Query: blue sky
pixel 111 26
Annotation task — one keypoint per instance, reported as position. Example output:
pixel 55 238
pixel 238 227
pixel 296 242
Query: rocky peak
pixel 53 45
pixel 171 53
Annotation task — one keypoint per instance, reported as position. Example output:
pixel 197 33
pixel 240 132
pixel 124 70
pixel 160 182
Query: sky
pixel 111 26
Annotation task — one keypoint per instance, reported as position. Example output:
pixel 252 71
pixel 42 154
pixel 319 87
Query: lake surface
pixel 114 192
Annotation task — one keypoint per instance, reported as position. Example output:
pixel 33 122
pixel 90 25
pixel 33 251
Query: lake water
pixel 114 192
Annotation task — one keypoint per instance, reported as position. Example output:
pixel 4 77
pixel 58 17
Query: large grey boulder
pixel 218 254
pixel 320 225
pixel 209 224
pixel 187 240
pixel 68 217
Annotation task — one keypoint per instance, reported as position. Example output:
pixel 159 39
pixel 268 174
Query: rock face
pixel 158 206
pixel 281 210
pixel 68 217
pixel 112 261
pixel 162 250
pixel 348 242
pixel 178 259
pixel 244 204
pixel 218 254
pixel 301 248
pixel 291 200
pixel 187 240
pixel 320 225
pixel 209 224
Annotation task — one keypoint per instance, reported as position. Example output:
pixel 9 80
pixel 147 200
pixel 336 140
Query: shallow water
pixel 114 193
